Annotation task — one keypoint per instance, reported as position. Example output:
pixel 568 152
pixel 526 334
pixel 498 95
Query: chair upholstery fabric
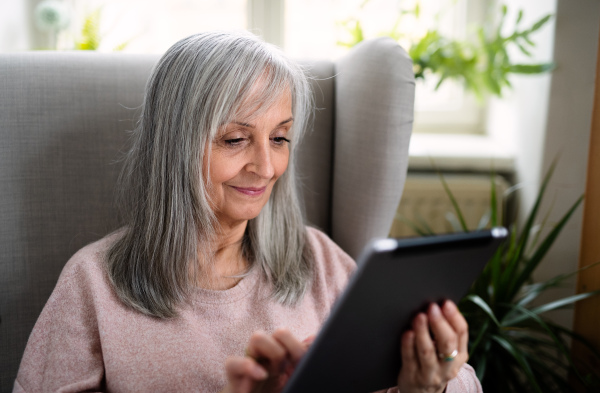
pixel 374 88
pixel 64 122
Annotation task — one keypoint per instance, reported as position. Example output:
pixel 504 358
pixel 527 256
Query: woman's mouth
pixel 251 191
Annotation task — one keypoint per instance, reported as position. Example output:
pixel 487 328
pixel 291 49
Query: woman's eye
pixel 234 141
pixel 280 140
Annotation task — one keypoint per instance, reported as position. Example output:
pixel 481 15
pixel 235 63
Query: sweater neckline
pixel 233 294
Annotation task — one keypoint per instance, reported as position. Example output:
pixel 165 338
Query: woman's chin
pixel 236 219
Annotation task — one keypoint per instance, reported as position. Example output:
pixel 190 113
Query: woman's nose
pixel 261 161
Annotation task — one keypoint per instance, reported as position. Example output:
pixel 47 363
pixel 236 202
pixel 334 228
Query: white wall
pixel 14 28
pixel 531 103
pixel 521 116
pixel 549 117
pixel 568 129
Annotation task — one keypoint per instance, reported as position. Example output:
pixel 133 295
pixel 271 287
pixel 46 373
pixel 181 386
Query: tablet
pixel 358 348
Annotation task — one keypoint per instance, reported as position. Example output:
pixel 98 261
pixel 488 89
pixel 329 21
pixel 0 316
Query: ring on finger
pixel 448 357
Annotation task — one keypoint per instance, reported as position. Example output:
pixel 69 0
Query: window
pixel 152 26
pixel 306 29
pixel 313 28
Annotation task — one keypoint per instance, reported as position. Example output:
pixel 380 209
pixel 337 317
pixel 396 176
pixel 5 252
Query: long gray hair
pixel 196 88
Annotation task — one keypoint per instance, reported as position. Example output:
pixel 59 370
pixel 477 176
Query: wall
pixel 549 117
pixel 531 103
pixel 520 118
pixel 14 33
pixel 568 130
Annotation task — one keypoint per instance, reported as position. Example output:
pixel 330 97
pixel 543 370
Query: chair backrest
pixel 64 119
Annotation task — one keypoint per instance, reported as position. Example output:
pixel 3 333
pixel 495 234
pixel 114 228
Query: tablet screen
pixel 358 348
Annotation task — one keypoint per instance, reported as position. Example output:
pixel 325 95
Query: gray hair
pixel 197 87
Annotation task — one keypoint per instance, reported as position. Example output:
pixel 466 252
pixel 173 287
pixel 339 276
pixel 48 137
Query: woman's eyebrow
pixel 286 121
pixel 248 125
pixel 239 123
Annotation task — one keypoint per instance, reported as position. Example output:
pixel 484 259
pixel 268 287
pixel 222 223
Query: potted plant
pixel 513 346
pixel 483 64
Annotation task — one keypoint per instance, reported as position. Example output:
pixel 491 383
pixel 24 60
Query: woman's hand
pixel 428 365
pixel 268 364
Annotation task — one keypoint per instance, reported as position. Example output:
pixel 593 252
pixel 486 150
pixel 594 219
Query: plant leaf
pixel 538 228
pixel 537 25
pixel 493 199
pixel 475 344
pixel 496 267
pixel 123 45
pixel 524 50
pixel 531 68
pixel 419 230
pixel 551 306
pixel 526 38
pixel 481 367
pixel 564 302
pixel 484 220
pixel 539 254
pixel 478 301
pixel 511 270
pixel 459 214
pixel 519 17
pixel 518 356
pixel 576 336
pixel 560 381
pixel 563 350
pixel 538 288
pixel 354 29
pixel 90 32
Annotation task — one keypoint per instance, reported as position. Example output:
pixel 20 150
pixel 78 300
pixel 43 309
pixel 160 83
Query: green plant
pixel 482 64
pixel 90 37
pixel 513 346
pixel 90 32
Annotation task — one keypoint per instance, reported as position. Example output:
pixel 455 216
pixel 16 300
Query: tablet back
pixel 358 349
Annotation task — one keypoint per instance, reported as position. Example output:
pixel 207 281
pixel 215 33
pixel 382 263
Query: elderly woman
pixel 215 283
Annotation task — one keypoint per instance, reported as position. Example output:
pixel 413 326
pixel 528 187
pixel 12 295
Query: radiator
pixel 426 204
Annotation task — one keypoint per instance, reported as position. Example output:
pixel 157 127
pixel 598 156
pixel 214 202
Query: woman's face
pixel 246 159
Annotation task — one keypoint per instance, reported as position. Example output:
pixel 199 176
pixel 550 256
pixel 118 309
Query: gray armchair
pixel 63 122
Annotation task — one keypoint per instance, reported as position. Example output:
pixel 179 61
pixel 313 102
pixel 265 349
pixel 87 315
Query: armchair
pixel 64 119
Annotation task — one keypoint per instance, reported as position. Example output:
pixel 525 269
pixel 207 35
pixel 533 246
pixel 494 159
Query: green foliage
pixel 90 37
pixel 512 345
pixel 483 64
pixel 354 29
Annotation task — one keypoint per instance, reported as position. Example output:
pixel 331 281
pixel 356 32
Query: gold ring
pixel 448 357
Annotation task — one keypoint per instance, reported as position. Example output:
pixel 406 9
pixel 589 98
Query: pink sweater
pixel 86 340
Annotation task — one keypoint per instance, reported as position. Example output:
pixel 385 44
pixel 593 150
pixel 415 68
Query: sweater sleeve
pixel 465 382
pixel 63 353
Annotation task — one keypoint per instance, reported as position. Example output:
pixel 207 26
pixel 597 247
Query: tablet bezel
pixel 353 355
